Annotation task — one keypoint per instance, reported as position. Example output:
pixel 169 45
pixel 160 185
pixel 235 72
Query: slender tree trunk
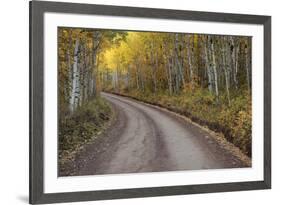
pixel 247 64
pixel 168 68
pixel 170 77
pixel 86 73
pixel 214 65
pixel 75 82
pixel 178 61
pixel 225 67
pixel 175 75
pixel 70 70
pixel 233 51
pixel 94 74
pixel 155 72
pixel 117 77
pixel 96 43
pixel 190 56
pixel 137 81
pixel 154 65
pixel 128 76
pixel 207 64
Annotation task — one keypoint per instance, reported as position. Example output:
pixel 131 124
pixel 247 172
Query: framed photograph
pixel 139 102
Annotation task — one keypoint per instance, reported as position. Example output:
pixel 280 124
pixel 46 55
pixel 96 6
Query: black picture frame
pixel 36 26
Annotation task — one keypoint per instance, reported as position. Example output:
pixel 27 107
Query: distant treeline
pixel 171 62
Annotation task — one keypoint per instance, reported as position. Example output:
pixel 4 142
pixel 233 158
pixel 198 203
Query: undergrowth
pixel 83 126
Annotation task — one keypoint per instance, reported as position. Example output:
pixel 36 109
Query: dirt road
pixel 145 139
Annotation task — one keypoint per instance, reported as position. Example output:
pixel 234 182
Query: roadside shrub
pixel 234 120
pixel 82 126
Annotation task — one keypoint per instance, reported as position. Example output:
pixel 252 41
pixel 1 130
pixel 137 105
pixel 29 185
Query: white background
pixel 86 183
pixel 14 101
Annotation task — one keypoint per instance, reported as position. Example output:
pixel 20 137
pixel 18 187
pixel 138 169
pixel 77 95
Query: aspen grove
pixel 204 77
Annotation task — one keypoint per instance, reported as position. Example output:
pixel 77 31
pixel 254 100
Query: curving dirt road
pixel 146 139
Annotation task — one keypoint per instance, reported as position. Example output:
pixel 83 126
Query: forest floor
pixel 148 138
pixel 85 126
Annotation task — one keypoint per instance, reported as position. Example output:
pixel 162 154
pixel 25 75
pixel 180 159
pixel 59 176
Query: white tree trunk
pixel 214 68
pixel 247 64
pixel 75 79
pixel 225 67
pixel 207 63
pixel 190 56
pixel 168 68
pixel 154 65
pixel 170 77
pixel 234 59
pixel 177 59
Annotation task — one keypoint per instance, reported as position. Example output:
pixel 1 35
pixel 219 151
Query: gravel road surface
pixel 143 138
